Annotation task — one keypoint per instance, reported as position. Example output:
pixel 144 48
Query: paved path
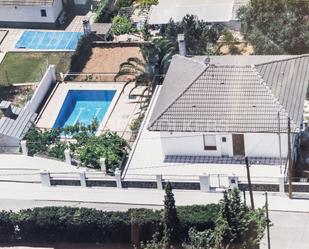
pixel 9 41
pixel 289 231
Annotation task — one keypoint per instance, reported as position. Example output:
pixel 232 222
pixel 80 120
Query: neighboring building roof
pixel 27 2
pixel 18 127
pixel 232 94
pixel 207 10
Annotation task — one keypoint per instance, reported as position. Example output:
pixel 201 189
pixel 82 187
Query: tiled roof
pixel 18 127
pixel 232 94
pixel 27 2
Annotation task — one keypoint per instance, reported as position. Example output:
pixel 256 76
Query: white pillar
pixel 204 183
pixel 159 182
pixel 67 155
pixel 118 178
pixel 24 148
pixel 103 165
pixel 82 177
pixel 281 184
pixel 45 178
pixel 233 182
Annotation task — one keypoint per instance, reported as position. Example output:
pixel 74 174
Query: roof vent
pixel 254 106
pixel 222 83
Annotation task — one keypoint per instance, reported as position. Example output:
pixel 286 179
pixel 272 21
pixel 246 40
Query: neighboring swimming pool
pixel 83 106
pixel 48 40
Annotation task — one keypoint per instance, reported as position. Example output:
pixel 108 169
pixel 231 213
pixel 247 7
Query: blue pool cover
pixel 83 106
pixel 48 40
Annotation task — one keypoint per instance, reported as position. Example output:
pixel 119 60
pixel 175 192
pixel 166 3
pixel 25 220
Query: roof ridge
pixel 276 100
pixel 293 57
pixel 181 94
pixel 190 59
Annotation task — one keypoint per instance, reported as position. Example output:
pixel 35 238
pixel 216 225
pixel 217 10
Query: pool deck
pixel 118 117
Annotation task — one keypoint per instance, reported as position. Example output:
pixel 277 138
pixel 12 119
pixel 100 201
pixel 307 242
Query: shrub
pixel 121 25
pixel 102 11
pixel 147 3
pixel 124 3
pixel 66 224
pixel 82 54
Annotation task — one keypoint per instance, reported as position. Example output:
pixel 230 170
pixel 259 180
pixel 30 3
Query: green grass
pixel 24 67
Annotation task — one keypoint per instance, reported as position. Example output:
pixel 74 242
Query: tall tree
pixel 276 26
pixel 171 222
pixel 198 34
pixel 150 70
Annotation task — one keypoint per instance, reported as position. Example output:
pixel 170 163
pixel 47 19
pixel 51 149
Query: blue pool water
pixel 48 40
pixel 83 106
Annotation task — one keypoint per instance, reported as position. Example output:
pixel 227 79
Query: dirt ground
pixel 18 95
pixel 107 60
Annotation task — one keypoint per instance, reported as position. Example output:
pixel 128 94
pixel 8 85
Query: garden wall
pixel 48 80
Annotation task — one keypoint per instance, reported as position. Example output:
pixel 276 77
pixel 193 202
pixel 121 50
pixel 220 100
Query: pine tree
pixel 171 222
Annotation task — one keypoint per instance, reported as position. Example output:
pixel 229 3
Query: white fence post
pixel 67 155
pixel 233 182
pixel 204 183
pixel 24 148
pixel 103 165
pixel 82 177
pixel 118 178
pixel 281 184
pixel 159 182
pixel 45 178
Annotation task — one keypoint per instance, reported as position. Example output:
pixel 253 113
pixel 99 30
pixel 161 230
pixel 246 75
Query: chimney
pixel 182 45
pixel 87 28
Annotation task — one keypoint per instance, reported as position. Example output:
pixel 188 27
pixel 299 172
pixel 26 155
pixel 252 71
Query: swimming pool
pixel 83 106
pixel 48 40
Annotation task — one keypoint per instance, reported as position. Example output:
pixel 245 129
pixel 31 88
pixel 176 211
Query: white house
pixel 30 13
pixel 211 11
pixel 230 105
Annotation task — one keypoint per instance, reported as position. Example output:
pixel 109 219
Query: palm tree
pixel 150 70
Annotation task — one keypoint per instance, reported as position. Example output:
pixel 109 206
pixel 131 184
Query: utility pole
pixel 289 158
pixel 267 220
pixel 249 182
pixel 279 136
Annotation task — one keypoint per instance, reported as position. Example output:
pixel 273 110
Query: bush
pixel 147 3
pixel 66 224
pixel 102 12
pixel 88 148
pixel 121 25
pixel 123 3
pixel 81 54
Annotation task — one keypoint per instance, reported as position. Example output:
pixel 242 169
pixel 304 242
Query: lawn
pixel 24 67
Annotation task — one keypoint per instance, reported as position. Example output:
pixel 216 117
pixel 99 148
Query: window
pixel 224 139
pixel 209 142
pixel 43 13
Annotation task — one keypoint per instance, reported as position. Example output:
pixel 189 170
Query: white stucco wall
pixel 30 13
pixel 47 81
pixel 8 144
pixel 256 144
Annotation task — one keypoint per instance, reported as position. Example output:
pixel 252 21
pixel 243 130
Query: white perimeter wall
pixel 30 13
pixel 191 143
pixel 47 81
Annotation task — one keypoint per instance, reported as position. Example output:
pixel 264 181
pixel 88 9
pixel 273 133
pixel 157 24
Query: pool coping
pixel 48 119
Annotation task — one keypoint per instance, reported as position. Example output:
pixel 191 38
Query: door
pixel 224 147
pixel 238 144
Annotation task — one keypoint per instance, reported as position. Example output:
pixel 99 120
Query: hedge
pixel 66 224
